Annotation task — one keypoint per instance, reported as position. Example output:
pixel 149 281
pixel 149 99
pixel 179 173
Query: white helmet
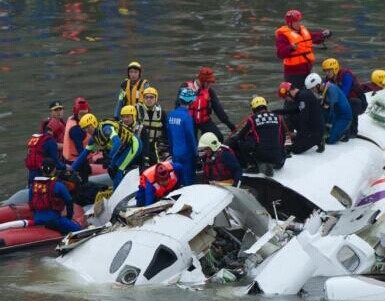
pixel 209 140
pixel 312 80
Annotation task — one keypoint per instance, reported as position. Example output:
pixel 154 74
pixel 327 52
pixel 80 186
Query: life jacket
pixel 265 128
pixel 35 153
pixel 70 152
pixel 43 195
pixel 58 128
pixel 356 91
pixel 124 133
pixel 213 167
pixel 134 92
pixel 200 109
pixel 149 174
pixel 304 53
pixel 154 125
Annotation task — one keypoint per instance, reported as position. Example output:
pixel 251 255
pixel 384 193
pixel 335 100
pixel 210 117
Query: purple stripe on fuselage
pixel 375 197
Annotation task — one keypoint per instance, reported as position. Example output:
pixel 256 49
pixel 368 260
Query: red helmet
pixel 206 75
pixel 80 104
pixel 293 16
pixel 161 173
pixel 283 89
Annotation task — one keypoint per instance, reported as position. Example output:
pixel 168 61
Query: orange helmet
pixel 283 89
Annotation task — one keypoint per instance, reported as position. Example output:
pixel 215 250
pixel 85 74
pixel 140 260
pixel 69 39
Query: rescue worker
pixel 181 135
pixel 41 146
pixel 131 89
pixel 377 82
pixel 56 123
pixel 119 144
pixel 260 143
pixel 48 197
pixel 220 164
pixel 350 86
pixel 206 102
pixel 337 108
pixel 75 139
pixel 157 181
pixel 154 118
pixel 309 121
pixel 294 44
pixel 128 118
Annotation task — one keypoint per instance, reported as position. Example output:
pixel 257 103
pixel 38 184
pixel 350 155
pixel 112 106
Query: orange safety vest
pixel 149 174
pixel 70 152
pixel 304 52
pixel 200 109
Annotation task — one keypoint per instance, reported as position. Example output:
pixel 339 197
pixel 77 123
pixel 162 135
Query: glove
pixel 326 33
pixel 231 126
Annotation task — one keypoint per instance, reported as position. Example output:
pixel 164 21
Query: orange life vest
pixel 149 174
pixel 43 195
pixel 200 109
pixel 70 152
pixel 304 52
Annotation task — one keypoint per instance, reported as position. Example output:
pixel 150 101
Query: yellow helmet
pixel 128 110
pixel 209 140
pixel 134 65
pixel 151 90
pixel 331 63
pixel 87 120
pixel 378 77
pixel 257 102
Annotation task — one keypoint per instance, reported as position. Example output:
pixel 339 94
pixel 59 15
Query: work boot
pixel 321 146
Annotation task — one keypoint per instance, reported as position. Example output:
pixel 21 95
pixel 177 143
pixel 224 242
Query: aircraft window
pixel 348 258
pixel 163 258
pixel 120 257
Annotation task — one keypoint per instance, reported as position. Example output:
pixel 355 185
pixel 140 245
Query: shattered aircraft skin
pixel 340 241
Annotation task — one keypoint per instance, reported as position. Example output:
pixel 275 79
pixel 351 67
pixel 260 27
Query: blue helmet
pixel 187 95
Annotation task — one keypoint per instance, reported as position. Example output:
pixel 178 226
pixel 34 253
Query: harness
pixel 200 109
pixel 124 133
pixel 153 124
pixel 213 167
pixel 35 153
pixel 134 92
pixel 43 195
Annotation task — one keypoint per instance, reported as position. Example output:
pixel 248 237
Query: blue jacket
pixel 146 195
pixel 339 104
pixel 181 133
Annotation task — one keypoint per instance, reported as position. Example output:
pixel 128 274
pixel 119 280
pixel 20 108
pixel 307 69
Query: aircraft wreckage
pixel 321 215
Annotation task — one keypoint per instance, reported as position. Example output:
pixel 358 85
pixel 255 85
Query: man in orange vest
pixel 206 102
pixel 294 44
pixel 75 139
pixel 157 181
